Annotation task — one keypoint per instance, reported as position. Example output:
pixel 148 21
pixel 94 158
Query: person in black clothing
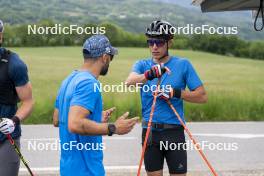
pixel 14 87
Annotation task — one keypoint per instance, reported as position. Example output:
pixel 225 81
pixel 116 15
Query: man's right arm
pixel 55 118
pixel 135 78
pixel 78 123
pixel 138 76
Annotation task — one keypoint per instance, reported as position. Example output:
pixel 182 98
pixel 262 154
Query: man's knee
pixel 177 174
pixel 155 173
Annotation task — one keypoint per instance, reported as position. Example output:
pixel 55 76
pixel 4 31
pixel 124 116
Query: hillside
pixel 132 15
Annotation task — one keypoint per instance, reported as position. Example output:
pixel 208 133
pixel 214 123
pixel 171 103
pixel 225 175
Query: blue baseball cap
pixel 1 26
pixel 97 45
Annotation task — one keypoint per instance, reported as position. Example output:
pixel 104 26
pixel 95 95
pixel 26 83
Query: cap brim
pixel 114 51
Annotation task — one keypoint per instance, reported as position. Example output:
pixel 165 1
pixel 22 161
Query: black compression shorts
pixel 166 144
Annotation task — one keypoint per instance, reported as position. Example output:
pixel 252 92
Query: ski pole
pixel 149 126
pixel 197 146
pixel 12 142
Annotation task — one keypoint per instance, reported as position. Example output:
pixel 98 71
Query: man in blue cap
pixel 79 111
pixel 14 87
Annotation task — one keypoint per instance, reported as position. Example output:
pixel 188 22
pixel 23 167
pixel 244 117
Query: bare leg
pixel 155 173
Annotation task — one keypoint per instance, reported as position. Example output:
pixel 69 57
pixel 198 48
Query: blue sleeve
pixel 57 102
pixel 86 95
pixel 138 67
pixel 191 77
pixel 18 71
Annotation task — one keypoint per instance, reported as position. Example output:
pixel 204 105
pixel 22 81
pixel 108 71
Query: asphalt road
pixel 233 148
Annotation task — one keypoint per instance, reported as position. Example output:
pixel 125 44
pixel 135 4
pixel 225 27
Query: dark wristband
pixel 177 93
pixel 16 120
pixel 111 129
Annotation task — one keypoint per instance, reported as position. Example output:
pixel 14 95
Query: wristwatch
pixel 111 129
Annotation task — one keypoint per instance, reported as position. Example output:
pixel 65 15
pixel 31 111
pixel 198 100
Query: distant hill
pixel 132 15
pixel 183 3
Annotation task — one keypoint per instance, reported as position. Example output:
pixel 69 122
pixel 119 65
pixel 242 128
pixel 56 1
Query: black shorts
pixel 167 144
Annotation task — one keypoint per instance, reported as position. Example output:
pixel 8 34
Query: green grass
pixel 235 86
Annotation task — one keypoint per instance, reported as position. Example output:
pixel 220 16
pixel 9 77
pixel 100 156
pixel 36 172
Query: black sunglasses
pixel 111 56
pixel 158 42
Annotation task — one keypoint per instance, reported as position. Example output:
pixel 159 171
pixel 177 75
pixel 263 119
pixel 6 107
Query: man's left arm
pixel 25 95
pixel 196 96
pixel 196 92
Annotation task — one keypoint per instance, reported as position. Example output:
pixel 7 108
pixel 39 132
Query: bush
pixel 17 36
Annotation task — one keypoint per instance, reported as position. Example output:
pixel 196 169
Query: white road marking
pixel 122 167
pixel 56 139
pixel 40 139
pixel 41 169
pixel 231 135
pixel 119 138
pixel 56 169
pixel 227 135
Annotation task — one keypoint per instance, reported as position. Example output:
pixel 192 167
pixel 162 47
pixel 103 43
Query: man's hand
pixel 155 72
pixel 166 95
pixel 7 126
pixel 107 114
pixel 123 125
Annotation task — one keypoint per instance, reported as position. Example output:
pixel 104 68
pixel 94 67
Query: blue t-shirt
pixel 17 71
pixel 182 75
pixel 79 89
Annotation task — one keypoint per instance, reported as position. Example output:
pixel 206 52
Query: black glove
pixel 166 95
pixel 155 72
pixel 16 120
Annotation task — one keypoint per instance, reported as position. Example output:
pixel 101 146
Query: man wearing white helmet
pixel 14 87
pixel 165 127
